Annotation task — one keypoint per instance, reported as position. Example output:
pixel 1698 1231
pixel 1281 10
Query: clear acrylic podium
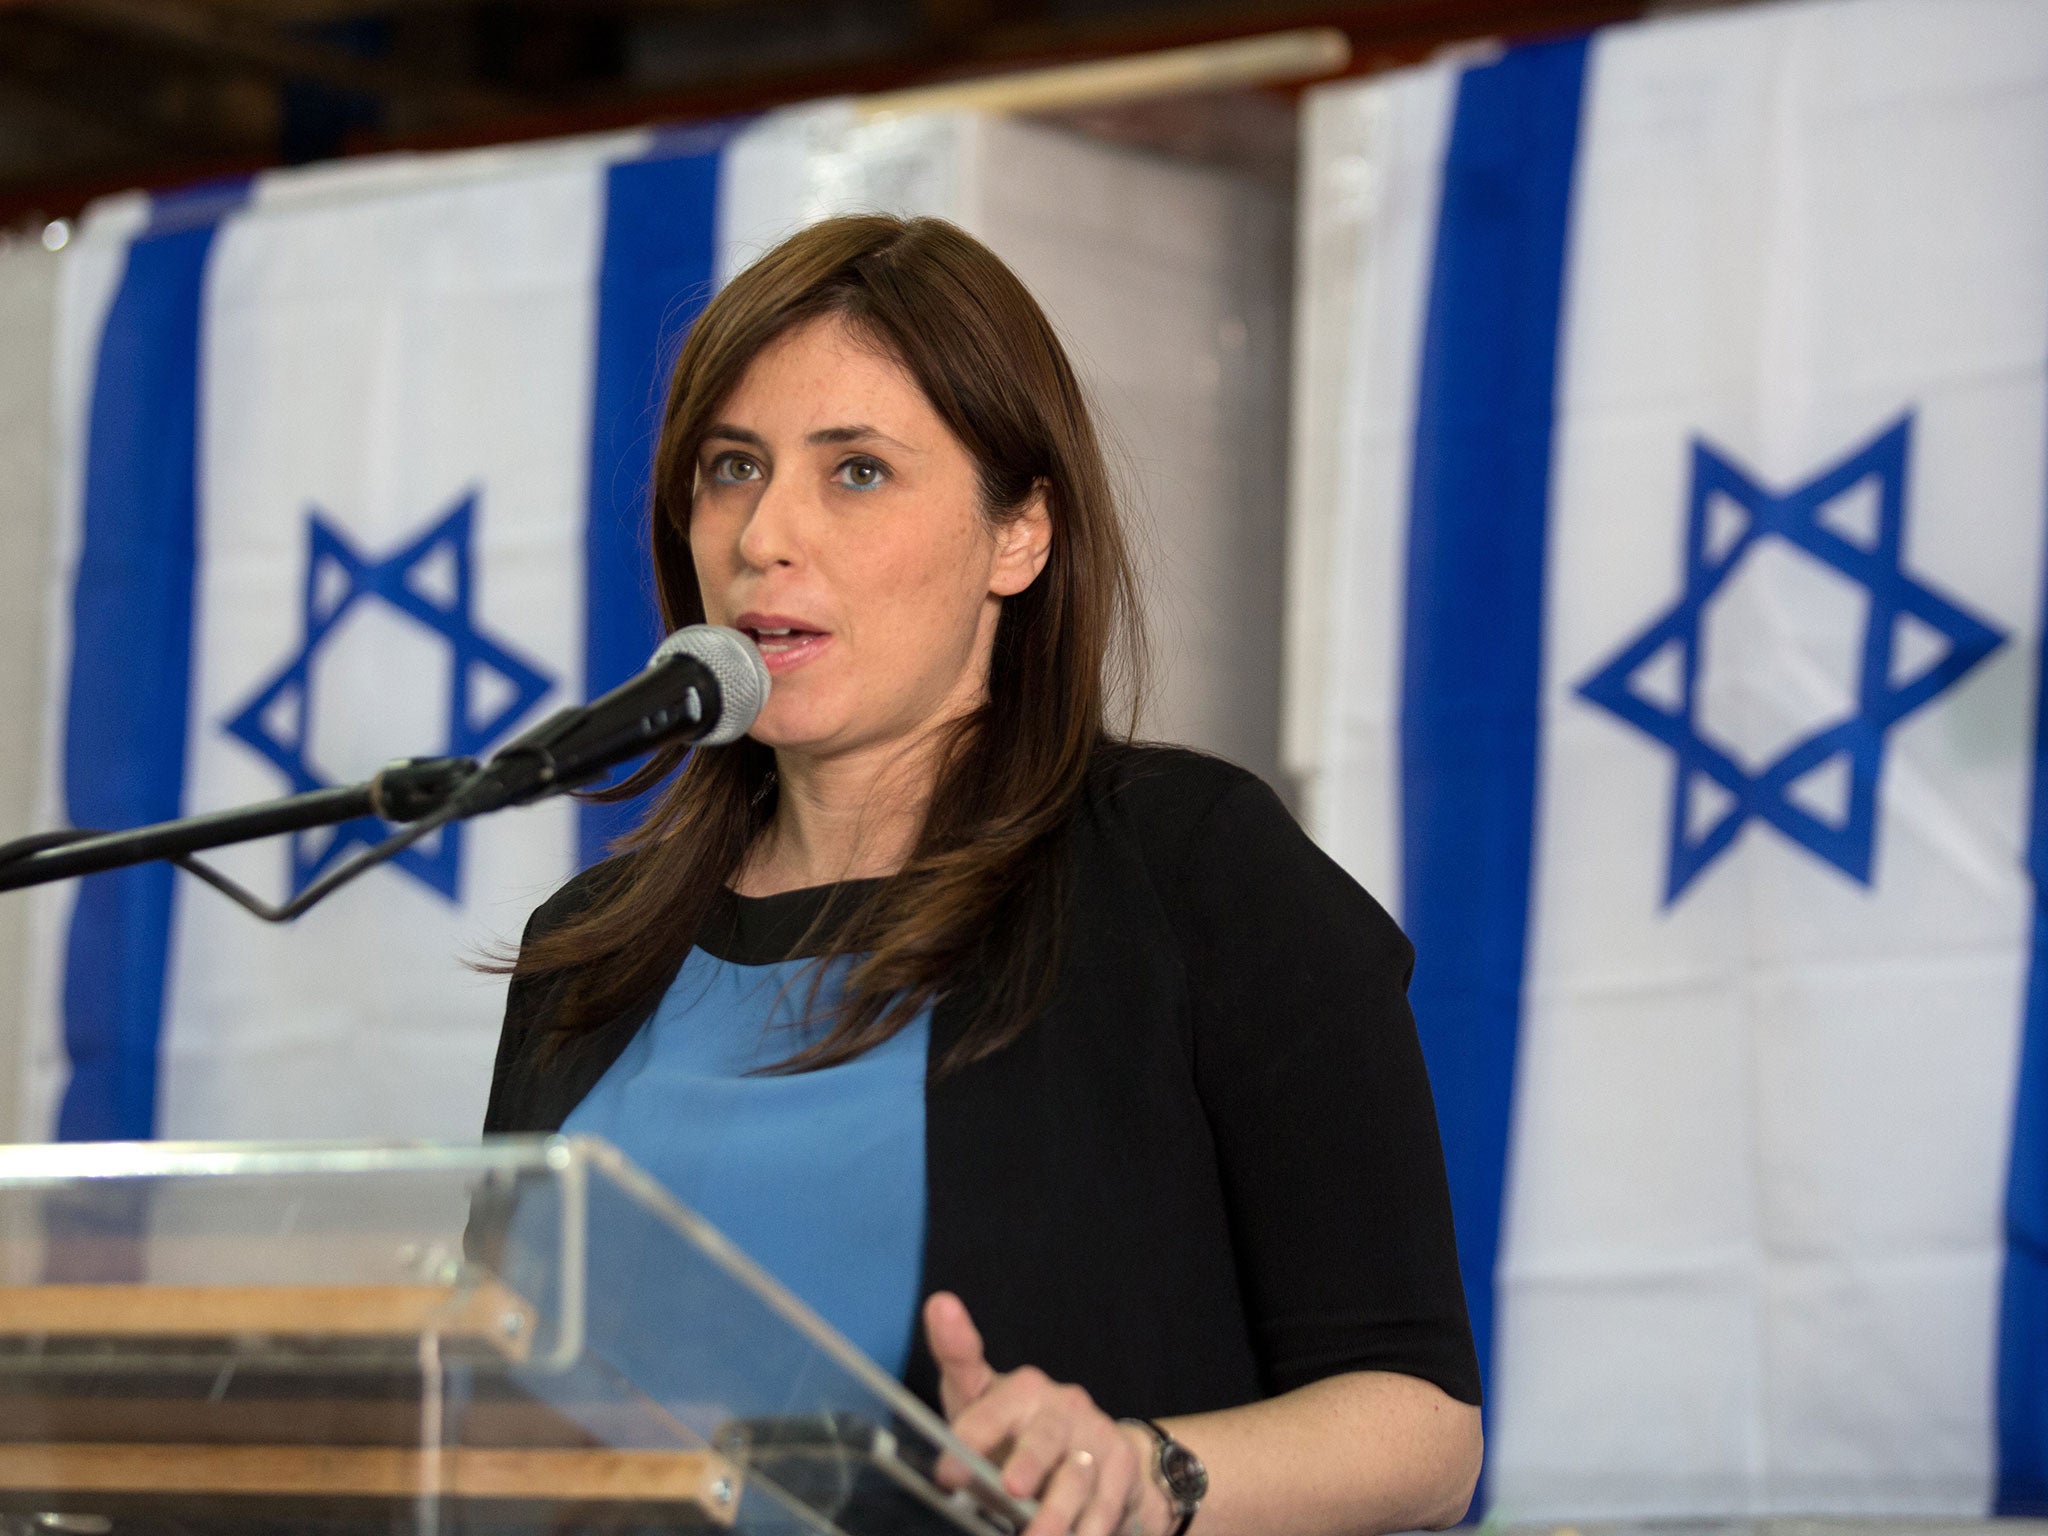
pixel 527 1336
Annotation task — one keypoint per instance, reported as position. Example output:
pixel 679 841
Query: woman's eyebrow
pixel 859 433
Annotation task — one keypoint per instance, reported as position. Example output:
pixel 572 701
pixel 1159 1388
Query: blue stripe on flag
pixel 660 250
pixel 124 732
pixel 1473 660
pixel 2023 1321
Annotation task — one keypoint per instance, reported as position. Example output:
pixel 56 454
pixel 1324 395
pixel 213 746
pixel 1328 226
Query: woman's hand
pixel 1087 1471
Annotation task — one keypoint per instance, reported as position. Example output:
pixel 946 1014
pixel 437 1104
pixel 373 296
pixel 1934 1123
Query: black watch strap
pixel 1179 1473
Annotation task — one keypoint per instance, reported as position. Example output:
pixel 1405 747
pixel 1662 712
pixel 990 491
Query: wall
pixel 27 306
pixel 1169 282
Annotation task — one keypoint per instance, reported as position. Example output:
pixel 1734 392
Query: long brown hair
pixel 977 905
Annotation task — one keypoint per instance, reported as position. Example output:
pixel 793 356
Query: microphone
pixel 704 685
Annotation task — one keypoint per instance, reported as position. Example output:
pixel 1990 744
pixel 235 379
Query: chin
pixel 794 731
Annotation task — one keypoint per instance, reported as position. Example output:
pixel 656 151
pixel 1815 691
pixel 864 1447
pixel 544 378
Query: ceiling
pixel 97 95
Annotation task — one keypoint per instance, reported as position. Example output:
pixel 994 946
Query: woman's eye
pixel 734 469
pixel 861 474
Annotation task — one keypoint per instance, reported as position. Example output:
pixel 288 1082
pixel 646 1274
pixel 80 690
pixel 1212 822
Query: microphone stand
pixel 420 791
pixel 680 695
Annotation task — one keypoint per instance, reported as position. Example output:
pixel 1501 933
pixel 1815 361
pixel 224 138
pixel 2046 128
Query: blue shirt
pixel 818 1176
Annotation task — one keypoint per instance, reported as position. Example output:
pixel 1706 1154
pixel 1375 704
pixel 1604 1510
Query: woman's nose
pixel 769 536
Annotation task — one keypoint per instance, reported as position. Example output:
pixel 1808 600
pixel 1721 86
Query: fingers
pixel 1054 1444
pixel 1117 1487
pixel 1044 1433
pixel 1070 1491
pixel 1093 1490
pixel 964 1373
pixel 991 1422
pixel 1051 1442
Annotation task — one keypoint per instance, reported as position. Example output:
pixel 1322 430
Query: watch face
pixel 1184 1472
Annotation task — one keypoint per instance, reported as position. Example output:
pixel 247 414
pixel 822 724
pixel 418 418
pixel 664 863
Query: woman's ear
pixel 1022 543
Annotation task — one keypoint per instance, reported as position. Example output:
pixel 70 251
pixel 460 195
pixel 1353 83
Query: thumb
pixel 964 1372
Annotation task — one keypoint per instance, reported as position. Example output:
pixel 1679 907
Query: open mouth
pixel 781 643
pixel 781 639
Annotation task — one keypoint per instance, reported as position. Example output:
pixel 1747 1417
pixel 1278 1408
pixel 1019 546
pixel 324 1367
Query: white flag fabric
pixel 354 466
pixel 1669 583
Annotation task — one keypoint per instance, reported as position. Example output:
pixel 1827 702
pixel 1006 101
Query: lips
pixel 784 642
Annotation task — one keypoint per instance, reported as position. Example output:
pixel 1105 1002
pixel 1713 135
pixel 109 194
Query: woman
pixel 935 988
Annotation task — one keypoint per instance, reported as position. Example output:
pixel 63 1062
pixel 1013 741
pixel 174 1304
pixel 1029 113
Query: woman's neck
pixel 853 817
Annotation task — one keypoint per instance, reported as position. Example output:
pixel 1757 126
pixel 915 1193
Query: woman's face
pixel 837 521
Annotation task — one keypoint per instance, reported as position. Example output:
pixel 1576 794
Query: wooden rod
pixel 1307 53
pixel 487 1311
pixel 688 1477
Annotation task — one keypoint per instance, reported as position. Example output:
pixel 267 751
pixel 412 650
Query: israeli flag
pixel 354 465
pixel 1668 586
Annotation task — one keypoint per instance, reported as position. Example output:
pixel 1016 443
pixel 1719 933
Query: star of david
pixel 1730 516
pixel 431 581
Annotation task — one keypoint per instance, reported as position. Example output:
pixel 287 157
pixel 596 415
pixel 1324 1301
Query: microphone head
pixel 730 657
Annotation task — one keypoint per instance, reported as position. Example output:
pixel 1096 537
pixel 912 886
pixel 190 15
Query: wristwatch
pixel 1179 1473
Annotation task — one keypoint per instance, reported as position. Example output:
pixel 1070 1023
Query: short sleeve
pixel 1309 1069
pixel 521 1102
pixel 505 1111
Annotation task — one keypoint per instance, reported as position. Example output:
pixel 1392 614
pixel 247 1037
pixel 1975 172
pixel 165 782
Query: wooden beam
pixel 193 28
pixel 698 1478
pixel 487 1313
pixel 86 79
pixel 1310 53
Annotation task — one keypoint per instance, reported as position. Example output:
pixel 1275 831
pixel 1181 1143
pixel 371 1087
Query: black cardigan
pixel 1210 1171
